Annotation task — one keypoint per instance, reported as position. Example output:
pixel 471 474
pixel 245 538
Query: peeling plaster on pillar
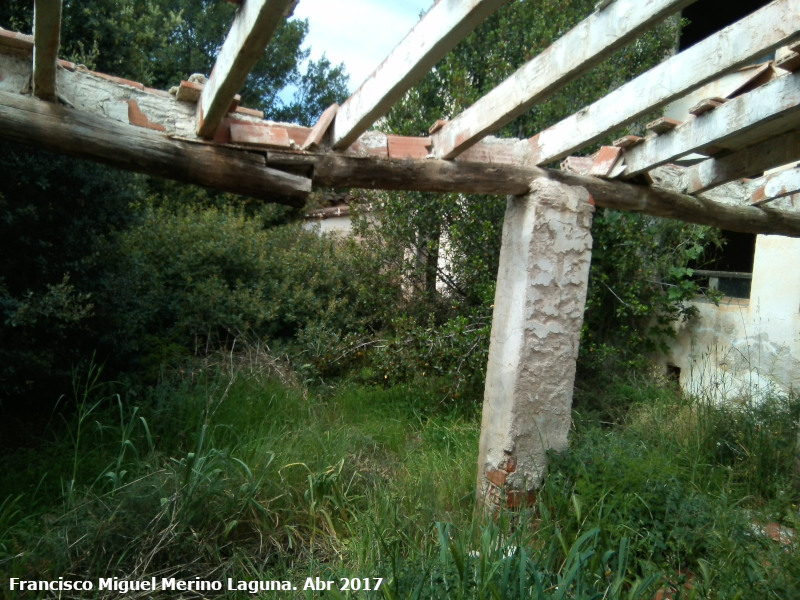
pixel 538 315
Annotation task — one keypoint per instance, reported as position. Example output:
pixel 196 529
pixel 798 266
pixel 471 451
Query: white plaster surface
pixel 538 315
pixel 742 350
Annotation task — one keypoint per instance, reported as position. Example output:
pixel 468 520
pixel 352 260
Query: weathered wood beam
pixel 747 162
pixel 774 186
pixel 438 32
pixel 432 175
pixel 671 205
pixel 64 130
pixel 68 131
pixel 580 49
pixel 767 110
pixel 253 27
pixel 46 36
pixel 425 175
pixel 775 25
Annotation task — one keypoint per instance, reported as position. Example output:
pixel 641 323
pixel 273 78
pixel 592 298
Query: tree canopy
pixel 58 215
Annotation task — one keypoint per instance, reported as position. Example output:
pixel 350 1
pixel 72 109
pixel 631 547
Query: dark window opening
pixel 709 16
pixel 673 373
pixel 729 269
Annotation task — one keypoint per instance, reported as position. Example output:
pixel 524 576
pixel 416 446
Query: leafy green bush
pixel 640 282
pixel 186 281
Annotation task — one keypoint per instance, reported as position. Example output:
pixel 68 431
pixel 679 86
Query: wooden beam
pixel 774 186
pixel 747 162
pixel 433 175
pixel 772 26
pixel 438 32
pixel 56 128
pixel 253 27
pixel 60 129
pixel 580 49
pixel 46 35
pixel 426 175
pixel 671 205
pixel 766 110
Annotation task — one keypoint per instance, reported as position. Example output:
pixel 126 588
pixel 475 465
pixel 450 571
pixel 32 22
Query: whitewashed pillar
pixel 538 315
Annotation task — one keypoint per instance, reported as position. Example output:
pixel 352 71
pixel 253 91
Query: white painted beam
pixel 253 27
pixel 580 49
pixel 761 113
pixel 46 36
pixel 438 32
pixel 774 186
pixel 746 162
pixel 772 26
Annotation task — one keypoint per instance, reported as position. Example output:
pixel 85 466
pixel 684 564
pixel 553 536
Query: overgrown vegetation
pixel 237 471
pixel 193 385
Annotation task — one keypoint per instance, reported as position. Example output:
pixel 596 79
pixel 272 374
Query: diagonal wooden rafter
pixel 772 26
pixel 747 162
pixel 583 47
pixel 253 27
pixel 774 186
pixel 438 32
pixel 764 112
pixel 46 36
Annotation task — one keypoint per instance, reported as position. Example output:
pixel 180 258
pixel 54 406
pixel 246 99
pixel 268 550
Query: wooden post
pixel 538 315
pixel 46 34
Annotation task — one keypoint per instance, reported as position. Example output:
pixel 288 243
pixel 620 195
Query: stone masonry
pixel 538 315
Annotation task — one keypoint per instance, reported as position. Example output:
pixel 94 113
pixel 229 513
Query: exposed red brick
pixel 605 160
pixel 317 133
pixel 138 118
pixel 120 80
pixel 511 464
pixel 234 103
pixel 13 39
pixel 401 146
pixel 260 134
pixel 250 112
pixel 223 133
pixel 438 125
pixel 68 65
pixel 154 91
pixel 189 91
pixel 520 498
pixel 662 125
pixel 497 477
pixel 627 141
pixel 778 533
pixel 297 133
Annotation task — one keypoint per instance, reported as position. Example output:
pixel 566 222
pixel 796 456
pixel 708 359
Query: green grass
pixel 231 472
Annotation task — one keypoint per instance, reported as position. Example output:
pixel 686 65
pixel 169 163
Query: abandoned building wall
pixel 746 348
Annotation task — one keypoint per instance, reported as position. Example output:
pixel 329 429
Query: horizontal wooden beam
pixel 46 36
pixel 575 53
pixel 747 162
pixel 761 113
pixel 433 175
pixel 68 131
pixel 438 32
pixel 378 173
pixel 263 174
pixel 671 205
pixel 253 27
pixel 773 26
